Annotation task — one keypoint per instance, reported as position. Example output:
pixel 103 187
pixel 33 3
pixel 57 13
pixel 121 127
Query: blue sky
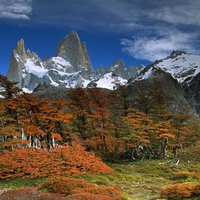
pixel 137 31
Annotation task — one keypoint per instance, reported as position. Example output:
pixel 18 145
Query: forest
pixel 64 139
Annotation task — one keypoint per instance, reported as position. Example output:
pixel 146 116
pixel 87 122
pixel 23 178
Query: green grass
pixel 18 183
pixel 144 180
pixel 137 180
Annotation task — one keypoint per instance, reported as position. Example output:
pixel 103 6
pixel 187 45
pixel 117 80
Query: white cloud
pixel 186 13
pixel 16 9
pixel 157 47
pixel 115 15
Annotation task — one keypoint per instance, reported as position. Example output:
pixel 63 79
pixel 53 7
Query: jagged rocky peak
pixel 20 63
pixel 17 60
pixel 120 65
pixel 71 49
pixel 20 50
pixel 135 70
pixel 176 53
pixel 119 68
pixel 31 54
pixel 100 71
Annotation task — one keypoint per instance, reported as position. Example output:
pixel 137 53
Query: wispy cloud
pixel 186 13
pixel 157 47
pixel 106 16
pixel 16 9
pixel 156 27
pixel 169 26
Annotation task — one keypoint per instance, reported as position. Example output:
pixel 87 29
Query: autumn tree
pixel 123 98
pixel 160 138
pixel 100 127
pixel 92 118
pixel 8 88
pixel 150 99
pixel 134 131
pixel 29 121
pixel 9 110
pixel 180 131
pixel 43 120
pixel 192 138
pixel 80 108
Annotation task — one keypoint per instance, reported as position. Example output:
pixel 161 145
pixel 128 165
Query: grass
pixel 137 180
pixel 18 183
pixel 144 180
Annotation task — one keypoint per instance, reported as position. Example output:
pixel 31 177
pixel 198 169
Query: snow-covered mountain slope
pixel 182 66
pixel 57 75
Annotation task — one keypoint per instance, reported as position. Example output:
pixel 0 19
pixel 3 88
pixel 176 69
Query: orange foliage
pixel 184 190
pixel 33 130
pixel 96 122
pixel 68 160
pixel 29 194
pixel 80 189
pixel 57 136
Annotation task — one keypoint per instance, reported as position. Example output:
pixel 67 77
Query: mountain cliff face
pixel 17 61
pixel 70 66
pixel 71 50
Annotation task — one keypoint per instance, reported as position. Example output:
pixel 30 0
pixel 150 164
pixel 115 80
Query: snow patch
pixel 109 82
pixel 148 74
pixel 33 68
pixel 53 83
pixel 18 58
pixel 60 62
pixel 27 90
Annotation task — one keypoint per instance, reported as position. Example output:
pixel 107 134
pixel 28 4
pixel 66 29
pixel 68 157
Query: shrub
pixel 183 175
pixel 184 190
pixel 30 194
pixel 80 189
pixel 68 160
pixel 64 185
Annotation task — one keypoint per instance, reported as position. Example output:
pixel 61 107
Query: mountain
pixel 178 74
pixel 184 68
pixel 70 66
pixel 159 79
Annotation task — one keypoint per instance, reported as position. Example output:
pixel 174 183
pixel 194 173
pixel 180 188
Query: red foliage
pixel 80 189
pixel 183 190
pixel 89 196
pixel 68 160
pixel 28 194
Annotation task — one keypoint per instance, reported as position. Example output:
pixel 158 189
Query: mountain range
pixel 178 74
pixel 70 66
